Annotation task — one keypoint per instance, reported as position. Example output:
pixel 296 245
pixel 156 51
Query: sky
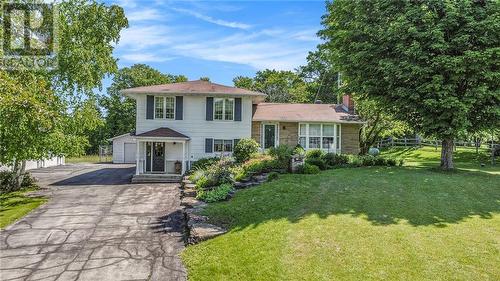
pixel 218 39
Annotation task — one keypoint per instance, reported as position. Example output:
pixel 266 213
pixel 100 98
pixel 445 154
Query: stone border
pixel 196 227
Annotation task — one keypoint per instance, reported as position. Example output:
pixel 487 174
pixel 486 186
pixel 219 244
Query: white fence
pixel 412 142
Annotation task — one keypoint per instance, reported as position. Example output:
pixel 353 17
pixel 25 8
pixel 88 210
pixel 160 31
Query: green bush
pixel 8 182
pixel 272 176
pixel 216 194
pixel 401 161
pixel 355 161
pixel 308 169
pixel 314 153
pixel 391 161
pixel 203 163
pixel 380 161
pixel 245 149
pixel 282 153
pixel 367 160
pixel 334 160
pixel 261 164
pixel 319 162
pixel 196 175
pixel 299 150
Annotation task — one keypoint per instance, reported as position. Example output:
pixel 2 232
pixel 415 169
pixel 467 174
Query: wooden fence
pixel 419 142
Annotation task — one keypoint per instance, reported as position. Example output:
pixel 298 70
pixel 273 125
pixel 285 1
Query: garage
pixel 124 148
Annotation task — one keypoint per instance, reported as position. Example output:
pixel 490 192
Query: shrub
pixel 319 162
pixel 245 149
pixel 299 150
pixel 333 159
pixel 355 161
pixel 282 154
pixel 260 164
pixel 314 153
pixel 272 176
pixel 380 161
pixel 8 182
pixel 220 172
pixel 367 160
pixel 202 183
pixel 391 161
pixel 401 161
pixel 203 163
pixel 307 169
pixel 196 175
pixel 216 194
pixel 238 173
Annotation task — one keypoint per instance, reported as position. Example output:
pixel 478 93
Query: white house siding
pixel 195 126
pixel 119 147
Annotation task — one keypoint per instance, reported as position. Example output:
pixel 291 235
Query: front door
pixel 269 135
pixel 158 157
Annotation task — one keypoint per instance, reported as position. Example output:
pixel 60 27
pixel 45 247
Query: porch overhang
pixel 163 133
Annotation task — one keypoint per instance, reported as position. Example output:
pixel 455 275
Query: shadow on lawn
pixel 383 196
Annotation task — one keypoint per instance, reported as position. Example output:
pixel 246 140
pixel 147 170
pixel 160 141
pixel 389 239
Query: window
pixel 158 107
pixel 324 136
pixel 223 109
pixel 223 145
pixel 164 107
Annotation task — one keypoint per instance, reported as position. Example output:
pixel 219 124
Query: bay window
pixel 323 136
pixel 164 107
pixel 223 109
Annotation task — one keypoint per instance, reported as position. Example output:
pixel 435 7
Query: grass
pixel 372 223
pixel 15 205
pixel 88 159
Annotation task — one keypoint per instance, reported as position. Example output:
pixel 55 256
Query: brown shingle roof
pixel 299 112
pixel 192 87
pixel 163 132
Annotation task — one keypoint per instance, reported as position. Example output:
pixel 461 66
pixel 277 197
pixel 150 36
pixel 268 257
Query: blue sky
pixel 218 39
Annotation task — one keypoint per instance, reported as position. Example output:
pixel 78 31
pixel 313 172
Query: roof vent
pixel 318 102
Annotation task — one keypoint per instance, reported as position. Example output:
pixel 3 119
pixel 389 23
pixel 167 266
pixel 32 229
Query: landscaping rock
pixel 189 185
pixel 241 185
pixel 189 192
pixel 190 202
pixel 194 218
pixel 203 231
pixel 185 181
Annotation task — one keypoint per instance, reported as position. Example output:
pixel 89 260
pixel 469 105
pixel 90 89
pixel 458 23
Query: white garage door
pixel 129 152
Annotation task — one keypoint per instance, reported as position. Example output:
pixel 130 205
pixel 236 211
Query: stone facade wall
pixel 289 133
pixel 350 138
pixel 256 131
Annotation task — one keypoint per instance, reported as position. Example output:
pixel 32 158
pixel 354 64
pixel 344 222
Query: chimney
pixel 347 103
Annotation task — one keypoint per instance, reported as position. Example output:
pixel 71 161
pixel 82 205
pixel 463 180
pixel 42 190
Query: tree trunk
pixel 18 169
pixel 447 154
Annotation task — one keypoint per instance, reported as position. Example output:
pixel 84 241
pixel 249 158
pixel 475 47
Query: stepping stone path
pixel 197 227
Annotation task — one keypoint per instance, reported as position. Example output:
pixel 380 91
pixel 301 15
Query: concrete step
pixel 154 178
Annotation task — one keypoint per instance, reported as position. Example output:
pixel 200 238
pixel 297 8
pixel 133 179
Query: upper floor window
pixel 223 109
pixel 164 107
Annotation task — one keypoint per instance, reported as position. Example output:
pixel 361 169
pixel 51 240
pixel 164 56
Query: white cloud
pixel 144 15
pixel 144 57
pixel 210 19
pixel 141 37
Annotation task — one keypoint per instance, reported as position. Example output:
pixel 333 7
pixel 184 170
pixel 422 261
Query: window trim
pixel 164 98
pixel 223 145
pixel 223 109
pixel 337 148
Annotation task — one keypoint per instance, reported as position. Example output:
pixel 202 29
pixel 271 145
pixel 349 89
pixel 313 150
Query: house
pixel 182 122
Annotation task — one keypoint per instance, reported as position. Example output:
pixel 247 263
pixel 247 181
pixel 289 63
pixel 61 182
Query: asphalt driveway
pixel 96 226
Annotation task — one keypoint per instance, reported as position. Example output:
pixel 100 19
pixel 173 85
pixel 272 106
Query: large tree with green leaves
pixel 120 110
pixel 43 110
pixel 279 85
pixel 433 64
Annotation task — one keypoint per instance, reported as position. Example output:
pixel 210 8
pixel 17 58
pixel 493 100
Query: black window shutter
pixel 209 145
pixel 235 142
pixel 179 107
pixel 150 105
pixel 237 109
pixel 210 109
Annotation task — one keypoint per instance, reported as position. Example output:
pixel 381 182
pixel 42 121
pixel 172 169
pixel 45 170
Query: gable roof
pixel 197 87
pixel 300 112
pixel 163 132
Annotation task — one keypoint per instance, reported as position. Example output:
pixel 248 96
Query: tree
pixel 321 76
pixel 120 110
pixel 279 86
pixel 432 64
pixel 41 108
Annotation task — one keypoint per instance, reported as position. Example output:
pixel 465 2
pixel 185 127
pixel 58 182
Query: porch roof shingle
pixel 162 132
pixel 299 112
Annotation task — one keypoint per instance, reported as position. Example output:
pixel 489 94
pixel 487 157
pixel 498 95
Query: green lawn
pixel 399 223
pixel 15 205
